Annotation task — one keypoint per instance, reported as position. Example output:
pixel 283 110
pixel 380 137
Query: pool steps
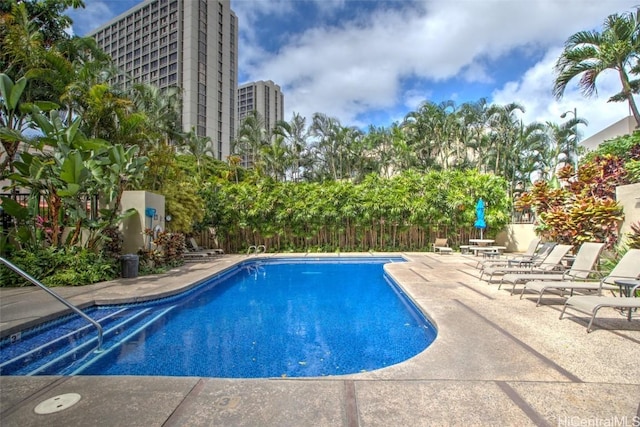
pixel 85 349
pixel 52 345
pixel 53 356
pixel 98 356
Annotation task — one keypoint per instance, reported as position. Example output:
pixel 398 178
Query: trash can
pixel 129 265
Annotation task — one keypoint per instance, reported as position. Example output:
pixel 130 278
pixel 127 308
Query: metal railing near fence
pixel 7 221
pixel 523 217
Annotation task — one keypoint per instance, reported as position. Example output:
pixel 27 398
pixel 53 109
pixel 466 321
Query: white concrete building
pixel 622 127
pixel 192 44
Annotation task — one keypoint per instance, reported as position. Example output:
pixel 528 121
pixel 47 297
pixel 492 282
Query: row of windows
pixel 165 23
pixel 153 7
pixel 171 79
pixel 134 44
pixel 163 71
pixel 149 58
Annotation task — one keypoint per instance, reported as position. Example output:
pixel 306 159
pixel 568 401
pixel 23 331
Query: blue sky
pixel 371 62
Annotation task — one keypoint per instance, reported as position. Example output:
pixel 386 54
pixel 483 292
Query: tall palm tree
pixel 379 148
pixel 475 121
pixel 403 157
pixel 530 151
pixel 252 136
pixel 424 130
pixel 162 109
pixel 296 135
pixel 504 130
pixel 276 158
pixel 588 53
pixel 449 135
pixel 325 129
pixel 198 146
pixel 559 147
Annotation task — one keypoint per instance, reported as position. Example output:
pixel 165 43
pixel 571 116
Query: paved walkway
pixel 497 360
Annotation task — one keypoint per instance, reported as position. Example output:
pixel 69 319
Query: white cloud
pixel 91 17
pixel 534 92
pixel 346 69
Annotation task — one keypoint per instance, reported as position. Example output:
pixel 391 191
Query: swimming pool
pixel 263 318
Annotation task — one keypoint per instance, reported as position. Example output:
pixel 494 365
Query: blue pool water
pixel 275 318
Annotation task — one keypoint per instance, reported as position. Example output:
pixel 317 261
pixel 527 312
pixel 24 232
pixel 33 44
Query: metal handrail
pixel 58 297
pixel 256 249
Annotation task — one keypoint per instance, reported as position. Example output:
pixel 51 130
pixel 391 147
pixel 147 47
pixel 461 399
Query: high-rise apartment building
pixel 264 97
pixel 192 44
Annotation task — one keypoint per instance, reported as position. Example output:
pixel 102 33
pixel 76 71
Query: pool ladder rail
pixel 33 280
pixel 260 249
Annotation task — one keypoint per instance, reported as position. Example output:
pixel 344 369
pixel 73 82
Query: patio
pixel 497 360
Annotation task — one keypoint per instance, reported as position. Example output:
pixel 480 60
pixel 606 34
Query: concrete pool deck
pixel 497 360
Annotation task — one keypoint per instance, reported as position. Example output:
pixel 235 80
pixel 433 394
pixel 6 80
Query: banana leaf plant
pixel 69 170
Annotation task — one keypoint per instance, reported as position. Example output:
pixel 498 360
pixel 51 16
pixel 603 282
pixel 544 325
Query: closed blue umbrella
pixel 480 222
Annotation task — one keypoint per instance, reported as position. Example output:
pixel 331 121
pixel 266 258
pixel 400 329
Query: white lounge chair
pixel 540 255
pixel 590 304
pixel 551 263
pixel 627 268
pixel 526 256
pixel 582 267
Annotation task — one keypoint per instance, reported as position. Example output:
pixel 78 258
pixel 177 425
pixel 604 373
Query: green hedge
pixel 402 213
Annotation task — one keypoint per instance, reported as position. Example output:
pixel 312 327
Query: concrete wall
pixel 629 198
pixel 134 226
pixel 516 237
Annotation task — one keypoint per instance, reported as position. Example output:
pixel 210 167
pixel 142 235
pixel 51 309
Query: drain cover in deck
pixel 57 403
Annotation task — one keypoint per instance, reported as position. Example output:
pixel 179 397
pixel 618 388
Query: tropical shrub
pixel 165 253
pixel 633 237
pixel 623 155
pixel 70 266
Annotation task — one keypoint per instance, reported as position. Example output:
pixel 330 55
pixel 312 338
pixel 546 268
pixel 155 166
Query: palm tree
pixel 276 158
pixel 589 53
pixel 423 130
pixel 21 44
pixel 475 121
pixel 504 130
pixel 559 147
pixel 379 148
pixel 162 109
pixel 198 146
pixel 296 137
pixel 252 136
pixel 326 129
pixel 450 135
pixel 530 151
pixel 404 158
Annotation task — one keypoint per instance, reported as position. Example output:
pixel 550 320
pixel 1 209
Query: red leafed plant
pixel 633 237
pixel 584 210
